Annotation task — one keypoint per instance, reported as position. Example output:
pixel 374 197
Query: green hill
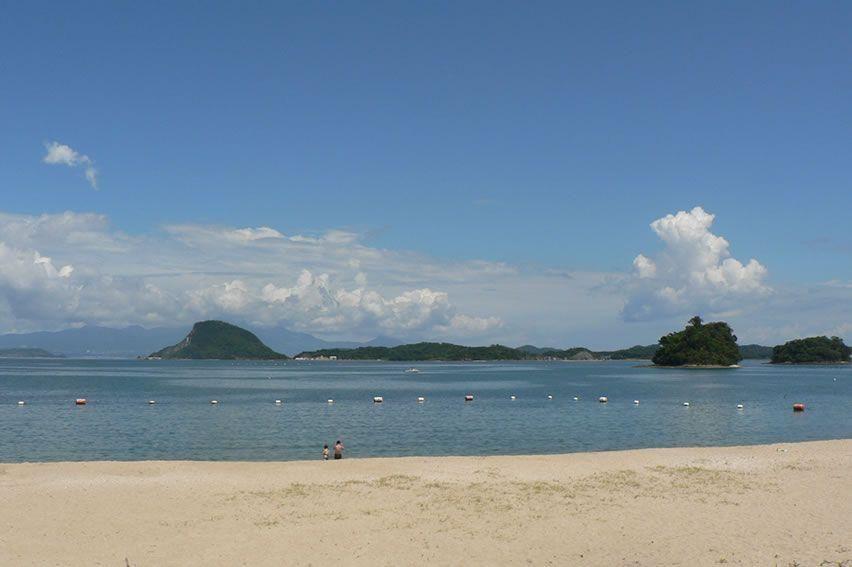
pixel 219 340
pixel 699 344
pixel 813 350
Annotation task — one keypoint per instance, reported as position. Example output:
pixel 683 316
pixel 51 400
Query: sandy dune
pixel 768 505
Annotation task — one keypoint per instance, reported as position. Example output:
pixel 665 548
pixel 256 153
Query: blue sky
pixel 542 136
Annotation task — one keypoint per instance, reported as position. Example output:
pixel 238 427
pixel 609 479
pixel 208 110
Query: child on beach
pixel 325 452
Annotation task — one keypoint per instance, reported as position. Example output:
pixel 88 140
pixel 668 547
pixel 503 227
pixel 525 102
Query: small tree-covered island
pixel 699 344
pixel 812 350
pixel 217 340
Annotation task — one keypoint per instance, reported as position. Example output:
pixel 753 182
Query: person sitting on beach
pixel 325 452
pixel 338 450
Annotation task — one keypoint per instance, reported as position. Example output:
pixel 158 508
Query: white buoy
pixel 151 402
pixel 549 397
pixel 512 398
pixel 468 398
pixel 330 401
pixel 278 402
pixel 378 399
pixel 214 402
pixel 603 399
pixel 576 398
pixel 421 399
pixel 686 404
pixel 635 402
pixel 22 403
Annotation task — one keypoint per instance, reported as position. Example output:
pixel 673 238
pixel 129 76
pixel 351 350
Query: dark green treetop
pixel 811 350
pixel 699 344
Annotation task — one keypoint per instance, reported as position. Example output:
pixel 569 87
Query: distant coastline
pixel 812 363
pixel 25 352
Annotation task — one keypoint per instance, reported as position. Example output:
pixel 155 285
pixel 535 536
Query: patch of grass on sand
pixel 396 481
pixel 704 480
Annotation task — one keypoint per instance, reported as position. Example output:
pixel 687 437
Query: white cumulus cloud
pixel 61 154
pixel 257 276
pixel 694 273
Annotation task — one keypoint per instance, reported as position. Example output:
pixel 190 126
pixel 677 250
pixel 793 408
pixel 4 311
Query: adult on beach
pixel 338 450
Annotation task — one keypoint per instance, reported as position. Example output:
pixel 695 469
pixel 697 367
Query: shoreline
pixel 367 458
pixel 749 505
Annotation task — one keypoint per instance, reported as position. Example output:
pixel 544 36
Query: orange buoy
pixel 80 401
pixel 798 407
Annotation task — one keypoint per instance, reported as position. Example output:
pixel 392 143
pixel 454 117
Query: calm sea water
pixel 118 424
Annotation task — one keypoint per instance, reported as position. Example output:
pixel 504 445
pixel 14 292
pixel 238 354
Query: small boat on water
pixel 412 371
pixel 468 398
pixel 378 399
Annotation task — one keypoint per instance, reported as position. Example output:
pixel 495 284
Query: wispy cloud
pixel 62 154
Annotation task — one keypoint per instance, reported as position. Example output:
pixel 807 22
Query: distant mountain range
pixel 130 342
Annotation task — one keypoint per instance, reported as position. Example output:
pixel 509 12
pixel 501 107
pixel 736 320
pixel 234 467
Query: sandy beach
pixel 783 504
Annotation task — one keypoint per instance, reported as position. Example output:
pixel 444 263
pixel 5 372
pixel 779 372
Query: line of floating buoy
pixel 797 407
